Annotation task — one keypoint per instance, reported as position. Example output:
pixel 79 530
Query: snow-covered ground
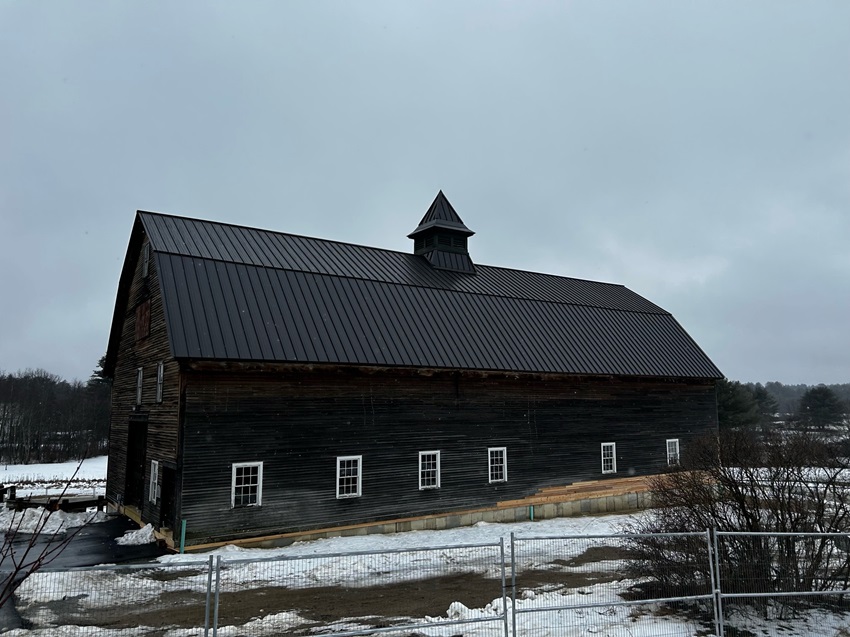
pixel 363 564
pixel 88 477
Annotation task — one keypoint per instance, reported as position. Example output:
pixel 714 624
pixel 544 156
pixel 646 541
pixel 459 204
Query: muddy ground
pixel 377 606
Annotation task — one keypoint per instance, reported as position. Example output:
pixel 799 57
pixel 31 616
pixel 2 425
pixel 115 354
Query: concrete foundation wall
pixel 570 508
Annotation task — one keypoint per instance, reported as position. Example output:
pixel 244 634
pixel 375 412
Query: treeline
pixel 44 418
pixel 800 406
pixel 788 397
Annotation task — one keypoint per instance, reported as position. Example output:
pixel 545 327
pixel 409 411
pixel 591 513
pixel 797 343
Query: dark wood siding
pixel 298 422
pixel 159 418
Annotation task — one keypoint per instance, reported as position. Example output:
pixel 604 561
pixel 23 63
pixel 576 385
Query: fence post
pixel 209 594
pixel 513 583
pixel 217 590
pixel 714 589
pixel 504 584
pixel 718 595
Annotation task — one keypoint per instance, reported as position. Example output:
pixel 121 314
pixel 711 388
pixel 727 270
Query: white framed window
pixel 153 485
pixel 349 476
pixel 146 259
pixel 672 452
pixel 429 470
pixel 497 460
pixel 246 486
pixel 609 457
pixel 160 377
pixel 140 372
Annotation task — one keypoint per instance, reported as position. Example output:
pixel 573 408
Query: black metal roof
pixel 243 294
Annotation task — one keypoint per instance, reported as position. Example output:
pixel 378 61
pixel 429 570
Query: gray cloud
pixel 698 153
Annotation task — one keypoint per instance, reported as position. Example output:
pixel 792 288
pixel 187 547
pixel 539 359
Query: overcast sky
pixel 696 152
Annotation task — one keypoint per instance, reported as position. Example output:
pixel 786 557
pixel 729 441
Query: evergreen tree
pixel 767 405
pixel 820 407
pixel 736 405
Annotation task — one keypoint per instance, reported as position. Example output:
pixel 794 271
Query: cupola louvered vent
pixel 441 238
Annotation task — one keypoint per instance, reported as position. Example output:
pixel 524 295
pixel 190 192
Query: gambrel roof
pixel 233 293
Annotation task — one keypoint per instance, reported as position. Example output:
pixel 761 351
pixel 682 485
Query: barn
pixel 266 384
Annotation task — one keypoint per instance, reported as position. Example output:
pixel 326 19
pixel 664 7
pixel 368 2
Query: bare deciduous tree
pixel 743 481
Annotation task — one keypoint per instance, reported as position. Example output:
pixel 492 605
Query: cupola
pixel 441 238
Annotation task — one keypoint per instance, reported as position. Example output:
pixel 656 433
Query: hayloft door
pixel 134 488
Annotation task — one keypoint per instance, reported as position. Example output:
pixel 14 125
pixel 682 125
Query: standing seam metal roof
pixel 236 293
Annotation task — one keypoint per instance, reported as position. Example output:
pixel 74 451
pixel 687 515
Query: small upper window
pixel 146 259
pixel 429 469
pixel 498 464
pixel 246 488
pixel 160 377
pixel 672 452
pixel 153 486
pixel 140 373
pixel 609 457
pixel 349 476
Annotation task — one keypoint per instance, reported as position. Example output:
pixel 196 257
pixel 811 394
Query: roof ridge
pixel 365 247
pixel 660 312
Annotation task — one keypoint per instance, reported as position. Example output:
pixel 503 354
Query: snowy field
pixel 88 478
pixel 362 582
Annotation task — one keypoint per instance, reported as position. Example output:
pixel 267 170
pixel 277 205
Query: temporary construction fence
pixel 576 585
pixel 783 579
pixel 669 585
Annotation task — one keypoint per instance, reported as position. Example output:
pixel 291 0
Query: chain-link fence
pixel 666 585
pixel 769 582
pixel 612 585
pixel 449 589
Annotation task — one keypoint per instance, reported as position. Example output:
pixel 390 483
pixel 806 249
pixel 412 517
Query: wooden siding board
pixel 298 422
pixel 160 419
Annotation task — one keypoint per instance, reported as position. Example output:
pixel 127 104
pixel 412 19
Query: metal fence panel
pixel 776 583
pixel 131 599
pixel 364 593
pixel 576 585
pixel 664 584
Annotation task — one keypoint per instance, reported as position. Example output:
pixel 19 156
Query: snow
pixel 39 520
pixel 480 533
pixel 90 469
pixel 352 562
pixel 52 478
pixel 143 535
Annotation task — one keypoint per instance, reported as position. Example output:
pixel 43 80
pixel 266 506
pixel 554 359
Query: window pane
pixel 246 485
pixel 348 477
pixel 429 470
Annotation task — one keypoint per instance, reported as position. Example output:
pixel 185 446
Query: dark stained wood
pixel 161 418
pixel 298 422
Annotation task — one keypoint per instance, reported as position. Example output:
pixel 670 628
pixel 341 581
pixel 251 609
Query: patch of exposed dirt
pixel 384 605
pixel 595 554
pixel 377 606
